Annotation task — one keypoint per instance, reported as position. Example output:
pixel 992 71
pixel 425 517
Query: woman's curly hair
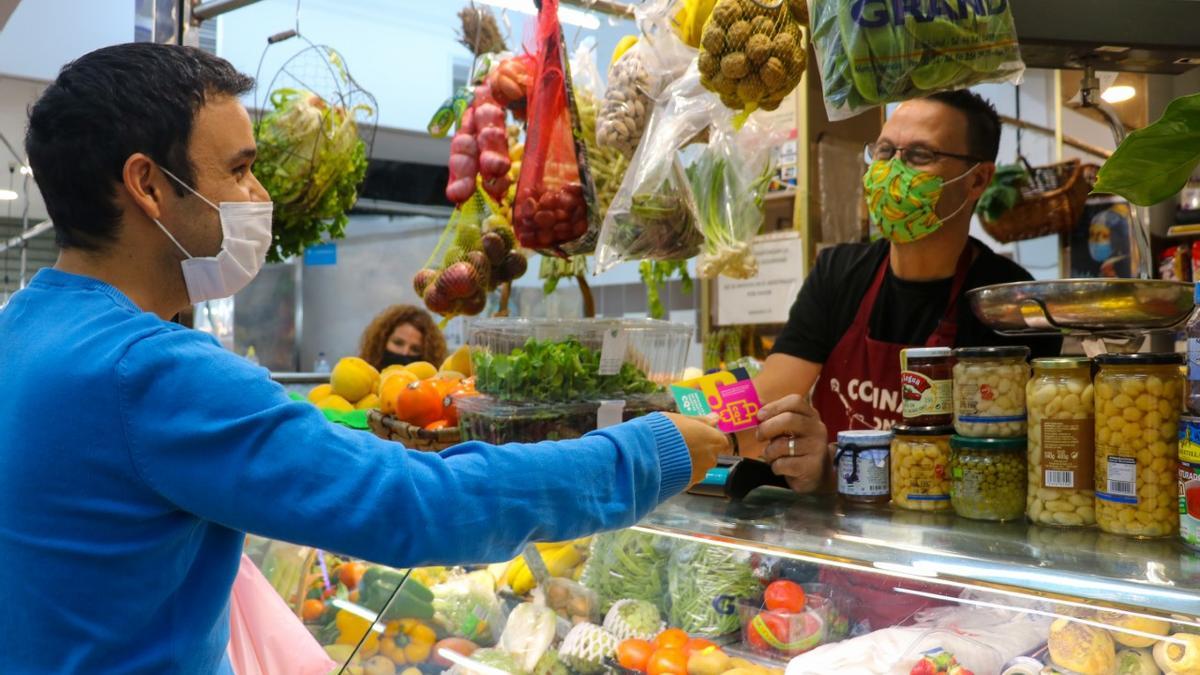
pixel 375 338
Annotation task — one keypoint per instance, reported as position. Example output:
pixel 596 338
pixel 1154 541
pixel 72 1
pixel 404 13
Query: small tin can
pixel 864 466
pixel 1189 481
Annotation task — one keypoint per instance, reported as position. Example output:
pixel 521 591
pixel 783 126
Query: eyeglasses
pixel 918 156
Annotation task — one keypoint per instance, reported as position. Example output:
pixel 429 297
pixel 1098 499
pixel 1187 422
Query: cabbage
pixel 311 161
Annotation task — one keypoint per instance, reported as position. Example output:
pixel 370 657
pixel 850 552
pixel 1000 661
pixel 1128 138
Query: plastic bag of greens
pixel 874 52
pixel 638 76
pixel 654 213
pixel 627 565
pixel 729 181
pixel 706 582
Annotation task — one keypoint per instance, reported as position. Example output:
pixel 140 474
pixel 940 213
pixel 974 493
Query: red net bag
pixel 555 206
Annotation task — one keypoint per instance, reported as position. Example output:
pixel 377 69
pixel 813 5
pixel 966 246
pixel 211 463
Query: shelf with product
pixel 882 590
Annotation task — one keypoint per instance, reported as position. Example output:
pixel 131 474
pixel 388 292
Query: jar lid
pixel 992 444
pixel 927 352
pixel 865 439
pixel 1062 362
pixel 906 430
pixel 1164 359
pixel 1005 352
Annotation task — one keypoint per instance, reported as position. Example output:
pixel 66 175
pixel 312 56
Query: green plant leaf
pixel 1154 163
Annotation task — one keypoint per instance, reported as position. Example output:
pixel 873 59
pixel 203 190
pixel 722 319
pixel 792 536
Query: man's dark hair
pixel 983 123
pixel 108 105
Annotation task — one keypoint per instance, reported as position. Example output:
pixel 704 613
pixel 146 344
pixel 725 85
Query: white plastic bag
pixel 654 213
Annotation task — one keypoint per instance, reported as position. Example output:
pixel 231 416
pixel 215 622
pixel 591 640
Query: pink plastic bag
pixel 265 637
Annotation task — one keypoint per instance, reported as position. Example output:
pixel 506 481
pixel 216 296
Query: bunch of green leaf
pixel 627 565
pixel 1003 192
pixel 1154 163
pixel 549 370
pixel 705 583
pixel 311 161
pixel 554 269
pixel 654 274
pixel 730 210
pixel 659 224
pixel 864 66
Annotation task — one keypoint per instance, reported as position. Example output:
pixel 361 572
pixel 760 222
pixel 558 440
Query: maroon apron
pixel 859 388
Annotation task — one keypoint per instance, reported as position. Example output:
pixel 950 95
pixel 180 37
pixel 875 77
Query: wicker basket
pixel 1050 204
pixel 412 437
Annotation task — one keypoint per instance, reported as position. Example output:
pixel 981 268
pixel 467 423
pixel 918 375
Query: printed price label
pixel 612 351
pixel 610 414
pixel 1122 476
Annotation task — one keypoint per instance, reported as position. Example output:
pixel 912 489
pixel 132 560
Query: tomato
pixel 667 661
pixel 312 610
pixel 434 426
pixel 634 654
pixel 671 638
pixel 785 595
pixel 419 403
pixel 697 645
pixel 766 628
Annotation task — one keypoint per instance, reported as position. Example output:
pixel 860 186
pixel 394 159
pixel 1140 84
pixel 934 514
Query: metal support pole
pixel 211 9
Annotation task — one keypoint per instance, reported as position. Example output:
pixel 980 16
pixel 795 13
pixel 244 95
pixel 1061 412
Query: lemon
pixel 459 361
pixel 353 378
pixel 369 401
pixel 422 369
pixel 335 402
pixel 390 370
pixel 319 392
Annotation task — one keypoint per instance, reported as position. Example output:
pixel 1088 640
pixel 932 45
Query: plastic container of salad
pixel 483 418
pixel 558 360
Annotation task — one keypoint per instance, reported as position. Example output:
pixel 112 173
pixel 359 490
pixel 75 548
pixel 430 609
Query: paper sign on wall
pixel 768 297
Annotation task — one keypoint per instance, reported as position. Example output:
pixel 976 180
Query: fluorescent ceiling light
pixel 26 170
pixel 567 15
pixel 8 195
pixel 1118 93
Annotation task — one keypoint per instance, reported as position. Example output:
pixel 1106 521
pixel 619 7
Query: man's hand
pixel 704 443
pixel 796 446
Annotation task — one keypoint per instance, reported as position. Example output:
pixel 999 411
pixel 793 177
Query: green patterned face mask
pixel 903 201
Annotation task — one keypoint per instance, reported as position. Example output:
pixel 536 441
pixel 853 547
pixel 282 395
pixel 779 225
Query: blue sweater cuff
pixel 675 462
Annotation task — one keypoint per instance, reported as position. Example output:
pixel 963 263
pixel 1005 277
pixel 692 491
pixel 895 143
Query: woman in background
pixel 400 335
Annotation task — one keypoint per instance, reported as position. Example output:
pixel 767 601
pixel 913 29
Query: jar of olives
pixel 1138 401
pixel 989 391
pixel 1062 442
pixel 987 477
pixel 920 468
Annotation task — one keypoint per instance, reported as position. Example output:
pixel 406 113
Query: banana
pixel 560 561
pixel 522 580
pixel 701 10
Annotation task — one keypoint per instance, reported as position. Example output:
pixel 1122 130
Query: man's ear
pixel 980 179
pixel 145 185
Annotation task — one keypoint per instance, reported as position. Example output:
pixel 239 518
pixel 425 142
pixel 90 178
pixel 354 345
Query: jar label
pixel 1189 504
pixel 928 483
pixel 1068 453
pixel 975 404
pixel 924 396
pixel 1193 357
pixel 1121 483
pixel 863 473
pixel 1189 441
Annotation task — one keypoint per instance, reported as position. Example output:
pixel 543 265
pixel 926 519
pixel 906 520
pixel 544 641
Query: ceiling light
pixel 566 15
pixel 1118 93
pixel 26 170
pixel 8 195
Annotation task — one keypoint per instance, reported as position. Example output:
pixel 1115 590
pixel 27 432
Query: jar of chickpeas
pixel 921 467
pixel 1138 401
pixel 1062 442
pixel 989 391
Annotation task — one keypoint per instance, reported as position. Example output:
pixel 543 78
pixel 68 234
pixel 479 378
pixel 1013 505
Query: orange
pixel 350 574
pixel 419 403
pixel 312 610
pixel 434 426
pixel 390 389
pixel 320 391
pixel 634 654
pixel 671 638
pixel 670 661
pixel 697 645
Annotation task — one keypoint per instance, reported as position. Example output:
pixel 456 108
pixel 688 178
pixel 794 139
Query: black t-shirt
pixel 906 312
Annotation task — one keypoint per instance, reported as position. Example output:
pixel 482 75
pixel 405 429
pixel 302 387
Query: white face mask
pixel 246 236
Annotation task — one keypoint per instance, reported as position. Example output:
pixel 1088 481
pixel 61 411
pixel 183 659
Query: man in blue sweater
pixel 135 453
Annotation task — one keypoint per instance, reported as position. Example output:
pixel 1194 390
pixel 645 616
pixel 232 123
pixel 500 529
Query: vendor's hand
pixel 703 441
pixel 796 442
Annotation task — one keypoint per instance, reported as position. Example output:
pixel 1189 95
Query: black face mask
pixel 391 358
